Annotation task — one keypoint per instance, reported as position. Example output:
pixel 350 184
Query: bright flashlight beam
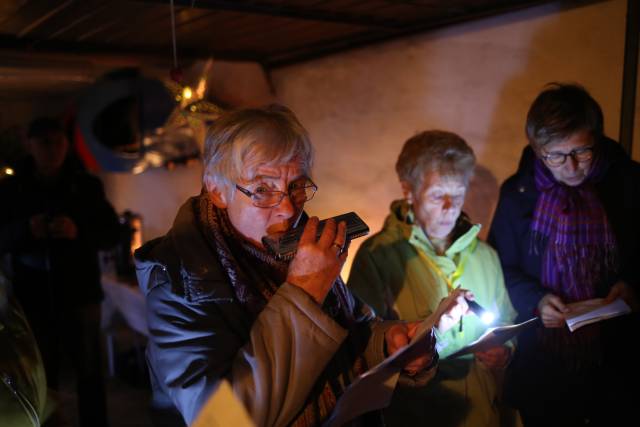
pixel 485 316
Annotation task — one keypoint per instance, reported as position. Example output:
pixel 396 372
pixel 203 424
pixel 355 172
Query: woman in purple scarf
pixel 566 230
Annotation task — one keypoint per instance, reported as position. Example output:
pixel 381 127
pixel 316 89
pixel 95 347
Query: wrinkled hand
pixel 38 226
pixel 63 227
pixel 552 311
pixel 495 357
pixel 622 290
pixel 454 307
pixel 398 336
pixel 317 264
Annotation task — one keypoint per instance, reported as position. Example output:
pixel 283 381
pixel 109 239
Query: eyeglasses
pixel 580 155
pixel 299 192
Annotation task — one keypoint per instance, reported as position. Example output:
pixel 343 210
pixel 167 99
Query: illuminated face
pixel 254 222
pixel 437 205
pixel 578 158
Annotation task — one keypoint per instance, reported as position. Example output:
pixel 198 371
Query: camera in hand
pixel 285 247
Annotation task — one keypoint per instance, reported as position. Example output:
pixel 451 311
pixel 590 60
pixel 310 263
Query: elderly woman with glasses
pixel 427 248
pixel 566 229
pixel 289 337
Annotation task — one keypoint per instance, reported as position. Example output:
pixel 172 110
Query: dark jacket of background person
pixel 57 281
pixel 201 333
pixel 535 380
pixel 23 386
pixel 74 269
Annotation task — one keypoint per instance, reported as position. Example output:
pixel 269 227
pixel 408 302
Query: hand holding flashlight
pixel 486 316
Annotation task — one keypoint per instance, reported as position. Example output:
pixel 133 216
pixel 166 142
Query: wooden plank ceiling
pixel 272 32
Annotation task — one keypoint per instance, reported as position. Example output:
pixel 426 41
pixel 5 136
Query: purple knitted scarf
pixel 581 246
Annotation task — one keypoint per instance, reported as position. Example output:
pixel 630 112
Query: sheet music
pixel 373 389
pixel 494 337
pixel 590 311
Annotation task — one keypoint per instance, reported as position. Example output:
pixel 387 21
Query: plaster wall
pixel 155 194
pixel 476 79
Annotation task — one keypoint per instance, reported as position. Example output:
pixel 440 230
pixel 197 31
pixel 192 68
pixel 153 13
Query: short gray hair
pixel 243 139
pixel 435 151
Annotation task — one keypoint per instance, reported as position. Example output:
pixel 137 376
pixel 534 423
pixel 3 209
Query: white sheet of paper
pixel 494 337
pixel 373 389
pixel 223 409
pixel 594 310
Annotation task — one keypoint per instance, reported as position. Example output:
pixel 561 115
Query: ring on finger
pixel 337 245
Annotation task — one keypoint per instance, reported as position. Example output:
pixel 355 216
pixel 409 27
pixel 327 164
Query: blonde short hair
pixel 241 140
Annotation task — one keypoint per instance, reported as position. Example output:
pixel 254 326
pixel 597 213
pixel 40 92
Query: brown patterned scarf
pixel 255 276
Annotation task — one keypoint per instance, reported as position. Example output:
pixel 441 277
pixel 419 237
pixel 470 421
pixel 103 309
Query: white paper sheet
pixel 223 409
pixel 494 337
pixel 373 389
pixel 590 311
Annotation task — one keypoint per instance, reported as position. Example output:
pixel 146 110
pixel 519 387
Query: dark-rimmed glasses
pixel 580 155
pixel 299 192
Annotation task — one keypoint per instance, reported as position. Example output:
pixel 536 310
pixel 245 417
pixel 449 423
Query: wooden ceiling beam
pixel 364 38
pixel 48 15
pixel 287 11
pixel 86 15
pixel 29 50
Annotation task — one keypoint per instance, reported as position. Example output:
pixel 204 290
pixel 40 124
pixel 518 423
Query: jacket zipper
pixel 24 401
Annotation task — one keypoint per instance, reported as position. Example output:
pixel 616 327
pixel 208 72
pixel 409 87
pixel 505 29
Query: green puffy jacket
pixel 399 274
pixel 23 386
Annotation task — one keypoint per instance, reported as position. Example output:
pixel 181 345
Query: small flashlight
pixel 486 316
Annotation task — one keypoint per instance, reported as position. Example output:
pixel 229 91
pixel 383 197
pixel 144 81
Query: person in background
pixel 427 248
pixel 54 219
pixel 566 230
pixel 288 336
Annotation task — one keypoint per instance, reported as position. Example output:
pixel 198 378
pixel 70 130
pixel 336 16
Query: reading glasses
pixel 580 155
pixel 299 192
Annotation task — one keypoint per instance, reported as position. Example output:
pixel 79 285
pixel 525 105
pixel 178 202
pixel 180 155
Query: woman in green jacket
pixel 427 248
pixel 23 386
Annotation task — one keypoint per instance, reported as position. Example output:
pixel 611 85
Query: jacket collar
pixel 402 220
pixel 183 252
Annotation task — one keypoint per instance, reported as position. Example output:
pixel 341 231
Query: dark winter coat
pixel 66 269
pixel 510 232
pixel 545 389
